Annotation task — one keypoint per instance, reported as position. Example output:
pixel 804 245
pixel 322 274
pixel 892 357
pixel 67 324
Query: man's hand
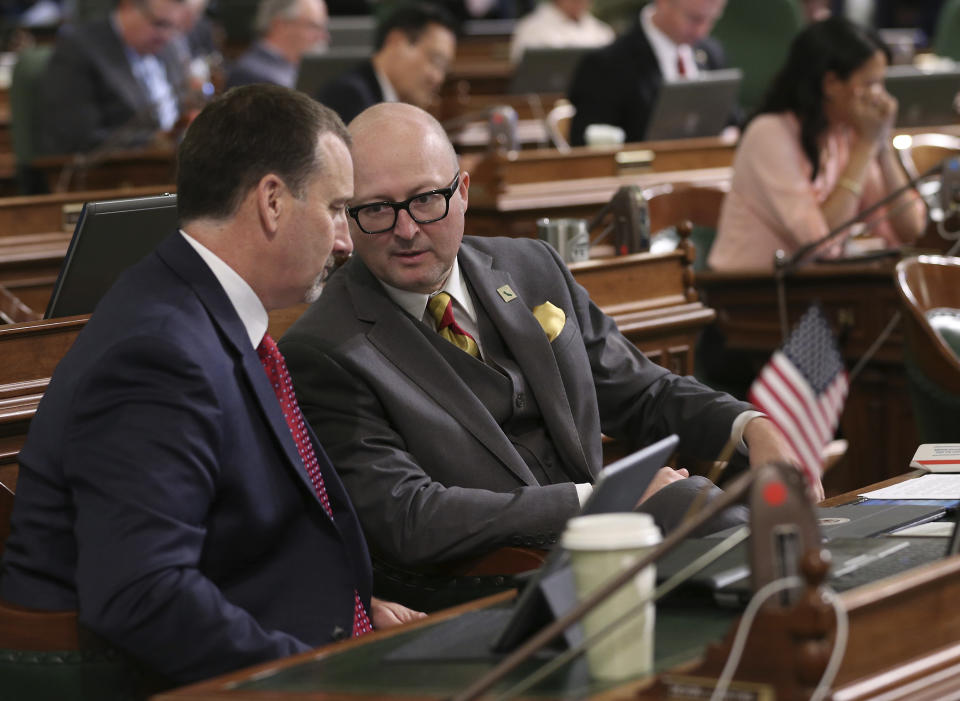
pixel 386 614
pixel 767 444
pixel 664 476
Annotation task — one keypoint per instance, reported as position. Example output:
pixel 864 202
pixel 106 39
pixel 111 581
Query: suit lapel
pixel 181 257
pixel 395 334
pixel 526 339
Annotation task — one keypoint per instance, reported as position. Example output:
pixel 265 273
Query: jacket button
pixel 520 400
pixel 338 633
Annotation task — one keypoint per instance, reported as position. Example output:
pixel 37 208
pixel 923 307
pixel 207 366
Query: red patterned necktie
pixel 440 307
pixel 279 377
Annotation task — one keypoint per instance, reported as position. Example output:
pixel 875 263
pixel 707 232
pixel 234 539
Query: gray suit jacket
pixel 430 472
pixel 89 93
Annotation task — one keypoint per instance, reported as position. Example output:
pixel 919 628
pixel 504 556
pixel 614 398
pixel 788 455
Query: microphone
pixel 782 527
pixel 502 121
pixel 630 221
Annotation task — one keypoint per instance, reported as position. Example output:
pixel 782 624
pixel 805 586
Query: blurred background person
pixel 817 153
pixel 619 84
pixel 559 23
pixel 414 46
pixel 117 78
pixel 287 29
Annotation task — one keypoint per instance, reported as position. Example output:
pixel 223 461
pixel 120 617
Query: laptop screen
pixel 693 107
pixel 110 236
pixel 546 69
pixel 926 97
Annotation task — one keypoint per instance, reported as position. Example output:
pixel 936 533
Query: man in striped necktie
pixel 482 429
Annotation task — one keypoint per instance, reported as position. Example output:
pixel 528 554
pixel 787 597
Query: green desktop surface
pixel 681 635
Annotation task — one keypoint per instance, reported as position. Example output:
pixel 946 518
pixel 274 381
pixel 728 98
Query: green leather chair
pixel 929 289
pixel 946 37
pixel 25 113
pixel 755 35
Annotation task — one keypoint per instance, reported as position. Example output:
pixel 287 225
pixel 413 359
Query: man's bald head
pixel 401 153
pixel 381 122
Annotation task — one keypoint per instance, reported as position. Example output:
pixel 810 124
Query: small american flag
pixel 802 389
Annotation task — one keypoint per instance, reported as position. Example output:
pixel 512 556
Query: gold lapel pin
pixel 507 293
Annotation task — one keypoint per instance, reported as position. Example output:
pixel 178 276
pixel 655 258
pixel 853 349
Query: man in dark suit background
pixel 449 454
pixel 115 81
pixel 414 46
pixel 162 492
pixel 619 83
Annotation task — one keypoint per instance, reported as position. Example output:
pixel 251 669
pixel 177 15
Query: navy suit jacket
pixel 618 84
pixel 161 494
pixel 352 92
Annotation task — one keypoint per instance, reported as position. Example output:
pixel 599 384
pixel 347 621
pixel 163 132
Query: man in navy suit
pixel 414 47
pixel 619 83
pixel 162 492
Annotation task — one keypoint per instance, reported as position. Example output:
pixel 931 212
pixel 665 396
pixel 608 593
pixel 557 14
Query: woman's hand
pixel 872 114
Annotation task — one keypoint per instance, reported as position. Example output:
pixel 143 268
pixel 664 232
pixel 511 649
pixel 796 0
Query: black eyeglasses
pixel 424 208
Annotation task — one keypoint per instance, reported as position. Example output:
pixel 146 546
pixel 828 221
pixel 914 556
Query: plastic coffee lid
pixel 610 532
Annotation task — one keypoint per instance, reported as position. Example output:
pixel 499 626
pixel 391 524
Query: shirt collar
pixel 664 48
pixel 248 306
pixel 415 303
pixel 386 87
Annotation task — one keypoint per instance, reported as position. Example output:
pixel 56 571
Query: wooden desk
pixel 859 300
pixel 903 641
pixel 355 670
pixel 513 208
pixel 42 214
pixel 134 168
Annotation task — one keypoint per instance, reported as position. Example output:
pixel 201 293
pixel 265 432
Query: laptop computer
pixel 546 69
pixel 485 634
pixel 692 107
pixel 868 520
pixel 926 97
pixel 854 562
pixel 109 237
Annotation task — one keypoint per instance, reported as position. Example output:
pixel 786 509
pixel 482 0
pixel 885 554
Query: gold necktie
pixel 441 309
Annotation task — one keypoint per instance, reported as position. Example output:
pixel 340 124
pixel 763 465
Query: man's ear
pixel 270 203
pixel 464 187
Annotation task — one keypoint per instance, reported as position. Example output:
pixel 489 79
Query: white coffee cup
pixel 600 547
pixel 604 135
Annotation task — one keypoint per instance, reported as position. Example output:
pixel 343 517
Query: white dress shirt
pixel 244 300
pixel 548 26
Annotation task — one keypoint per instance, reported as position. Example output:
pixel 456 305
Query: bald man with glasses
pixel 461 384
pixel 114 83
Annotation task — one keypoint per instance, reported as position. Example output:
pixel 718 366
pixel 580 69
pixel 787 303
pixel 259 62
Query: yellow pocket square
pixel 551 318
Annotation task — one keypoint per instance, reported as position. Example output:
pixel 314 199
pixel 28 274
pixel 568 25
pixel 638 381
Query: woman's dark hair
pixel 832 45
